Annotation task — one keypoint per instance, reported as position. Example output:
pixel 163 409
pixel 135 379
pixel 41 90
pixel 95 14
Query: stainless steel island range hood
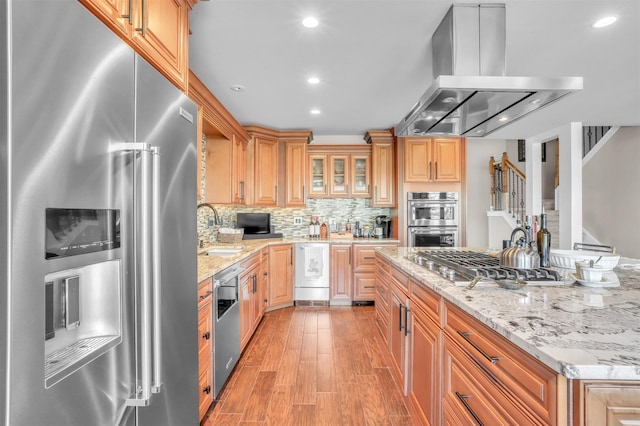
pixel 471 95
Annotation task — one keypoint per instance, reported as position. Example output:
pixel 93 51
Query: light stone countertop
pixel 580 332
pixel 210 265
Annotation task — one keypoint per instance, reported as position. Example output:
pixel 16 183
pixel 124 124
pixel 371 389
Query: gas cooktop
pixel 460 267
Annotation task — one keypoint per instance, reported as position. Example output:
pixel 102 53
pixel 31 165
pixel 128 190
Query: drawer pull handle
pixel 207 294
pixel 369 286
pixel 465 336
pixel 369 258
pixel 462 399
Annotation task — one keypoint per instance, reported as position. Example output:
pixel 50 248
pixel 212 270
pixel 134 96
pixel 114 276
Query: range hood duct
pixel 471 95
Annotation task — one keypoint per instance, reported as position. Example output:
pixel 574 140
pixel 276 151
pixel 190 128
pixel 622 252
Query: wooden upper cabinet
pixel 225 170
pixel 265 184
pixel 157 30
pixel 266 170
pixel 339 171
pixel 339 175
pixel 318 175
pixel 383 174
pixel 432 160
pixel 360 175
pixel 295 175
pixel 446 157
pixel 239 171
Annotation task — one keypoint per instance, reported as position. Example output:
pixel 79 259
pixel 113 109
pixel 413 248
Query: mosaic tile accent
pixel 338 210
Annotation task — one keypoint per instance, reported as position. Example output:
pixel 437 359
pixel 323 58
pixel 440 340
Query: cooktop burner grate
pixel 461 265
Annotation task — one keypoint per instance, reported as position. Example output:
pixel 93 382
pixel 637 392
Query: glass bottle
pixel 316 227
pixel 312 228
pixel 543 239
pixel 323 230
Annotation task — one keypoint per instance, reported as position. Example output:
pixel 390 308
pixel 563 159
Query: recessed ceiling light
pixel 310 22
pixel 313 80
pixel 315 111
pixel 535 101
pixel 605 22
pixel 237 88
pixel 503 119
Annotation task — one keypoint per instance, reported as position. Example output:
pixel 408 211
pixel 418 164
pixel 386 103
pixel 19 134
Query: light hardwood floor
pixel 313 366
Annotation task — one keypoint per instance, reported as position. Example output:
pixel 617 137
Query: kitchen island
pixel 580 332
pixel 547 354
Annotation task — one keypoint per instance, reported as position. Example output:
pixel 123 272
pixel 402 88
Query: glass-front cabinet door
pixel 318 175
pixel 339 175
pixel 361 175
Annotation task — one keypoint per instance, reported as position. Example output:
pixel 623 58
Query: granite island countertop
pixel 580 332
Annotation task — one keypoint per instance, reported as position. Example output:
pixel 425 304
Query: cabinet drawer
pixel 529 380
pixel 427 299
pixel 250 262
pixel 364 258
pixel 205 389
pixel 400 278
pixel 475 397
pixel 205 290
pixel 382 264
pixel 205 331
pixel 364 286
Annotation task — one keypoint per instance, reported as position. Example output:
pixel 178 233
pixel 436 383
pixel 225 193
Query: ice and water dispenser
pixel 82 318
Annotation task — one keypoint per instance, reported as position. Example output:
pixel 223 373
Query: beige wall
pixel 611 193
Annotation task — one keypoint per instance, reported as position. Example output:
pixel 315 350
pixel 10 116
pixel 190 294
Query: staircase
pixel 553 221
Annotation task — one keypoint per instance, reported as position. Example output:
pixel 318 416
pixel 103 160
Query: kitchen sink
pixel 223 251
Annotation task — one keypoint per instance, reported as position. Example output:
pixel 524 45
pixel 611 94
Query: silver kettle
pixel 520 257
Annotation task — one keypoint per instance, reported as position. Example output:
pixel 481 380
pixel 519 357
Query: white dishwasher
pixel 311 272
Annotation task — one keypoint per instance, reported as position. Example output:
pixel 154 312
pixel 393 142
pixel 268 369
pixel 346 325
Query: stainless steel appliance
pixel 462 266
pixel 226 344
pixel 471 94
pixel 311 276
pixel 98 236
pixel 432 219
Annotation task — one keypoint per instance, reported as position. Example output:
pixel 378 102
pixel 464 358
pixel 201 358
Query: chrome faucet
pixel 216 218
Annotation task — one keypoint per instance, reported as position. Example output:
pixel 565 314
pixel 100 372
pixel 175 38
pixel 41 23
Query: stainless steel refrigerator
pixel 97 227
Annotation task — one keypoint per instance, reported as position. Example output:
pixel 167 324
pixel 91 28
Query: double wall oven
pixel 432 219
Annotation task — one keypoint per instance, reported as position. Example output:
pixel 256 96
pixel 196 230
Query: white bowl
pixel 567 258
pixel 588 273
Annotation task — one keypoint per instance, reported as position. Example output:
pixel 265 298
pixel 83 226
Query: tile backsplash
pixel 338 210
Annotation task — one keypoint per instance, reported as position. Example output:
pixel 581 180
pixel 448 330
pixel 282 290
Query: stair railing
pixel 508 188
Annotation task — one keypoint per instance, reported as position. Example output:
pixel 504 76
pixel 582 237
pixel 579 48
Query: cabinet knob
pixel 206 336
pixel 207 390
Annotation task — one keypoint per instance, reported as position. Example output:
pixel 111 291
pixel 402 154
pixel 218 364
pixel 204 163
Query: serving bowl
pixel 567 258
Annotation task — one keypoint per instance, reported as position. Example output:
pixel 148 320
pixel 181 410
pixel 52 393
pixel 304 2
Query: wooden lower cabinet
pixel 398 334
pixel 205 345
pixel 280 275
pixel 253 294
pixel 340 273
pixel 382 297
pixel 456 370
pixel 606 403
pixel 248 295
pixel 424 365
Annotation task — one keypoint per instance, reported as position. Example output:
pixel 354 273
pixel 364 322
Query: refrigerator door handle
pixel 146 218
pixel 156 385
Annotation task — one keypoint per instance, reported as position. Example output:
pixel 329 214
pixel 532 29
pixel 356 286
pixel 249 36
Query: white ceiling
pixel 374 60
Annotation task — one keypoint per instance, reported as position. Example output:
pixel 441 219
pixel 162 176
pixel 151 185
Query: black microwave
pixel 254 223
